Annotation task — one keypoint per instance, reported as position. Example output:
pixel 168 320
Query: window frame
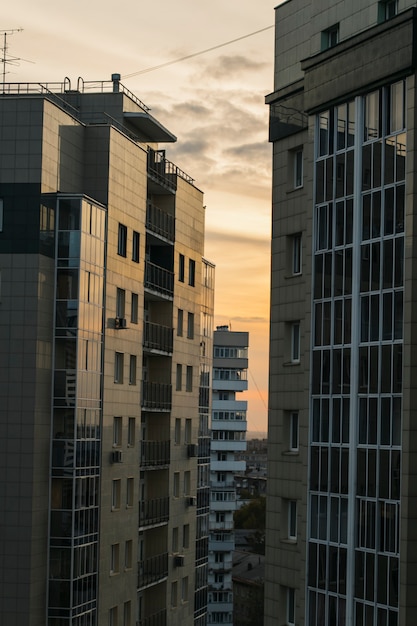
pixel 191 272
pixel 330 37
pixel 136 246
pixel 294 436
pixel 132 369
pixel 118 368
pixel 134 308
pixel 190 325
pixel 296 254
pixel 292 520
pixel 114 559
pixel 290 606
pixel 117 431
pixel 180 322
pixel 120 302
pixel 298 168
pixel 122 240
pixel 131 432
pixel 295 342
pixel 181 268
pixel 189 378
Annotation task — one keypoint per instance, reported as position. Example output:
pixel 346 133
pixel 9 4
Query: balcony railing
pixel 155 511
pixel 164 171
pixel 154 453
pixel 153 569
pixel 156 396
pixel 156 619
pixel 160 222
pixel 159 279
pixel 158 337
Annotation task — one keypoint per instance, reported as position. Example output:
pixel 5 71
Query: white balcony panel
pixel 224 446
pixel 222 546
pixel 223 506
pixel 228 466
pixel 236 425
pixel 223 607
pixel 229 405
pixel 230 385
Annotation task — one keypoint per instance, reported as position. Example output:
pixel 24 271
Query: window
pixel 187 483
pixel 115 494
pixel 298 168
pixel 294 431
pixel 118 367
pixel 113 616
pixel 295 342
pixel 296 253
pixel 117 431
pixel 127 613
pixel 130 490
pixel 190 326
pixel 178 382
pixel 176 485
pixel 184 589
pixel 387 9
pixel 177 431
pixel 131 429
pixel 174 594
pixel 290 606
pixel 330 37
pixel 120 302
pixel 181 268
pixel 180 322
pixel 189 378
pixel 121 240
pixel 134 308
pixel 1 215
pixel 187 433
pixel 132 370
pixel 186 536
pixel 191 272
pixel 128 554
pixel 114 558
pixel 135 247
pixel 292 519
pixel 175 539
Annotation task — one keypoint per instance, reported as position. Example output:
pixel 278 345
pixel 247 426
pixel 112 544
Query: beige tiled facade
pixel 342 337
pixel 98 476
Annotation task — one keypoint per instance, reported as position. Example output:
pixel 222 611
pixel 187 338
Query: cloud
pixel 227 67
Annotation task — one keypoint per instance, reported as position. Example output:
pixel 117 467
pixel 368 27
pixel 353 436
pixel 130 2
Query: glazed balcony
pixel 156 396
pixel 152 570
pixel 153 512
pixel 159 280
pixel 154 454
pixel 160 222
pixel 158 338
pixel 156 619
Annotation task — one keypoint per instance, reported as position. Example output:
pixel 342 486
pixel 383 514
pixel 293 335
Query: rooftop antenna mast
pixel 5 60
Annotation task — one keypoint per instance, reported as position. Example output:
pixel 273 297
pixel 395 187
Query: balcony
pixel 153 512
pixel 160 222
pixel 163 172
pixel 156 619
pixel 159 280
pixel 154 454
pixel 156 396
pixel 158 337
pixel 152 570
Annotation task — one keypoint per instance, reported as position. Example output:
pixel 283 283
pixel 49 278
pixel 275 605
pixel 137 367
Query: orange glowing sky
pixel 213 103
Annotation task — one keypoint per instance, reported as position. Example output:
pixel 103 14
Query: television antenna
pixel 5 59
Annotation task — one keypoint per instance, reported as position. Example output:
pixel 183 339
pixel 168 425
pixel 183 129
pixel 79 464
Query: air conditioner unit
pixel 116 456
pixel 192 501
pixel 192 450
pixel 120 322
pixel 178 560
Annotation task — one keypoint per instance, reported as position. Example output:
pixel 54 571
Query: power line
pixel 196 54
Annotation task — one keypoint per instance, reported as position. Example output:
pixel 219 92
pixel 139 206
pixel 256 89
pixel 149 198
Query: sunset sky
pixel 212 102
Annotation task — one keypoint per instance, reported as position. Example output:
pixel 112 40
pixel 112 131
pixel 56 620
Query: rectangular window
pixel 298 168
pixel 134 308
pixel 296 253
pixel 113 616
pixel 174 594
pixel 190 326
pixel 181 268
pixel 187 483
pixel 290 606
pixel 186 536
pixel 132 370
pixel 180 322
pixel 177 432
pixel 114 558
pixel 294 431
pixel 175 539
pixel 127 613
pixel 184 589
pixel 191 272
pixel 176 485
pixel 178 382
pixel 292 519
pixel 387 9
pixel 295 342
pixel 1 215
pixel 115 494
pixel 117 431
pixel 122 240
pixel 135 247
pixel 118 367
pixel 128 554
pixel 120 302
pixel 189 378
pixel 187 433
pixel 330 37
pixel 131 431
pixel 130 490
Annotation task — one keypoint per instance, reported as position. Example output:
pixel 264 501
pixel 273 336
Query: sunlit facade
pixel 106 321
pixel 340 545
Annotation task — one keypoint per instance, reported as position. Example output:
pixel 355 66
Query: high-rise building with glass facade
pixel 341 516
pixel 106 313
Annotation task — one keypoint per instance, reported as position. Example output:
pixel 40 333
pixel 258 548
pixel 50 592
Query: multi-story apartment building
pixel 105 300
pixel 228 436
pixel 341 544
